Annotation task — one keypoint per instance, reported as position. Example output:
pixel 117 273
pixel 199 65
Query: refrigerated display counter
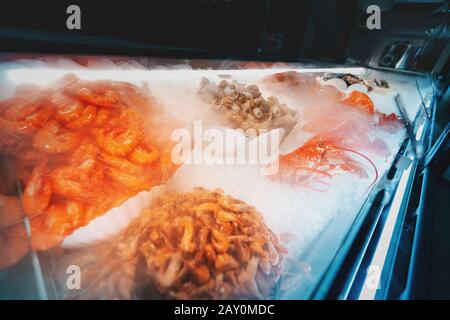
pixel 205 179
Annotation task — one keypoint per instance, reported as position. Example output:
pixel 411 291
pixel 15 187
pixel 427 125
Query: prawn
pixel 86 119
pixel 102 117
pixel 144 155
pixel 219 241
pixel 38 192
pixel 225 262
pixel 68 111
pixel 57 221
pixel 108 100
pixel 121 164
pixel 41 238
pixel 17 127
pixel 76 211
pixel 200 272
pixel 20 110
pixel 68 182
pixel 40 117
pixel 118 141
pixel 48 139
pixel 85 155
pixel 134 183
pixel 186 243
pixel 7 103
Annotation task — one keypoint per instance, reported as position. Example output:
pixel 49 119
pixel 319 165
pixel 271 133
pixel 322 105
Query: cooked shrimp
pixel 225 262
pixel 49 140
pixel 40 117
pixel 20 110
pixel 169 275
pixel 14 245
pixel 57 221
pixel 41 238
pixel 220 241
pixel 102 117
pixel 201 273
pixel 134 183
pixel 86 119
pixel 225 216
pixel 118 141
pixel 38 192
pixel 85 154
pixel 186 242
pixel 142 155
pixel 76 211
pixel 68 182
pixel 16 127
pixel 121 164
pixel 108 100
pixel 68 111
pixel 10 210
pixel 96 160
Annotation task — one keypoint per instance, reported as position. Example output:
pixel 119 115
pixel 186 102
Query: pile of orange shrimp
pixel 80 148
pixel 343 126
pixel 206 245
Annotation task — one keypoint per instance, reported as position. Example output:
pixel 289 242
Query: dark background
pixel 286 30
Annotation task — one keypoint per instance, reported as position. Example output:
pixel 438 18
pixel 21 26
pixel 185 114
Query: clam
pixel 231 92
pixel 276 110
pixel 223 83
pixel 227 102
pixel 258 113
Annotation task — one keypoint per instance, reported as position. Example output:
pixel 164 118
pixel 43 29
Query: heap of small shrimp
pixel 342 127
pixel 80 148
pixel 206 245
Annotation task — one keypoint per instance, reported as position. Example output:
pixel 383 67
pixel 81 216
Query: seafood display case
pixel 203 179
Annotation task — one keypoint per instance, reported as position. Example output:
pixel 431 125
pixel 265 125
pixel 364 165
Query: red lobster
pixel 316 159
